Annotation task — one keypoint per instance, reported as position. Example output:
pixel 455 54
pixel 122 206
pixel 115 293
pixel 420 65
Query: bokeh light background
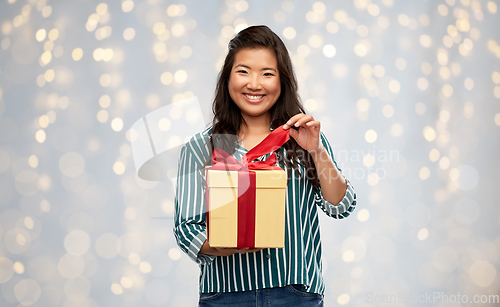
pixel 408 93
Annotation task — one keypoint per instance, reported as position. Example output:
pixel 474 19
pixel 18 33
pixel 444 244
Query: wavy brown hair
pixel 227 118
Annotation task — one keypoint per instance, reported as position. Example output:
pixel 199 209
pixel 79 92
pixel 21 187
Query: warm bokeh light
pixel 18 267
pixel 33 161
pixel 41 34
pixel 429 133
pixel 117 124
pixel 424 173
pixel 371 136
pixel 343 299
pixel 363 215
pixel 101 9
pixel 53 34
pixel 145 267
pixel 128 34
pixel 434 155
pixel 167 78
pixel 104 101
pixel 119 168
pixel 388 110
pixel 49 75
pixel 108 55
pixel 423 234
pixel 116 289
pixel 174 254
pixel 492 7
pixel 77 54
pixel 127 5
pixel 373 179
pixel 102 116
pixel 444 163
pixel 425 40
pixel 40 136
pixel 105 80
pixel 288 33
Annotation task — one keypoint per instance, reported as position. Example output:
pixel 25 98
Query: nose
pixel 254 83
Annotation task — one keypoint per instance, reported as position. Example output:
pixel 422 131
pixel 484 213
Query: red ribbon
pixel 246 180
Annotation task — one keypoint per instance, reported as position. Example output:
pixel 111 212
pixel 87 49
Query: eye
pixel 242 71
pixel 268 74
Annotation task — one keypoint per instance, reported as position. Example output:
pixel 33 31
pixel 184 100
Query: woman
pixel 256 93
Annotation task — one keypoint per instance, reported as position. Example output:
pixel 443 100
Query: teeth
pixel 254 97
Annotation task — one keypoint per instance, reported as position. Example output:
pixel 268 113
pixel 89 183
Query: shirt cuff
pixel 194 249
pixel 343 208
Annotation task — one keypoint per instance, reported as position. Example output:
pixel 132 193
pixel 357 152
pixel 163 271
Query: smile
pixel 254 98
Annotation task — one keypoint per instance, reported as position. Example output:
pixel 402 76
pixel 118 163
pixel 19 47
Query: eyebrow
pixel 266 68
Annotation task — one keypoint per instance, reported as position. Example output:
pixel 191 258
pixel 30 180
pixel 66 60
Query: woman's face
pixel 254 83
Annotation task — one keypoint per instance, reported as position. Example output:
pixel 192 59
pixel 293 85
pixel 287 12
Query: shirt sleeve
pixel 344 208
pixel 190 212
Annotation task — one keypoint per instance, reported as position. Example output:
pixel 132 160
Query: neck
pixel 256 125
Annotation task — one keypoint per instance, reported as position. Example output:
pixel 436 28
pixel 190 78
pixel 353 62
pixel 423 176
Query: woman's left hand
pixel 308 136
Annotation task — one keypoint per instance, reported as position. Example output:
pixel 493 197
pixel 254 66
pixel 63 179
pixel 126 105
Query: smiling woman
pixel 257 95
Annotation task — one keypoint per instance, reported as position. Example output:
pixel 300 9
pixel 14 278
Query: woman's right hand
pixel 224 251
pixel 228 251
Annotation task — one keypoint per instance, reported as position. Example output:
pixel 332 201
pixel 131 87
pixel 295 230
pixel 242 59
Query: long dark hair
pixel 227 118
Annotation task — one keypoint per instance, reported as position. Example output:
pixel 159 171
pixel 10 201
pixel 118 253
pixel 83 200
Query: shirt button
pixel 331 206
pixel 268 256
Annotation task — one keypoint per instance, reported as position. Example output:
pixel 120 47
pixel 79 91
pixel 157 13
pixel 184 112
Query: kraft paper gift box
pixel 246 200
pixel 231 220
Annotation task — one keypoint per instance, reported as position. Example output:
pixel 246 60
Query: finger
pixel 304 119
pixel 314 123
pixel 292 120
pixel 293 133
pixel 253 250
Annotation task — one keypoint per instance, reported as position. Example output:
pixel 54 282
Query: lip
pixel 254 101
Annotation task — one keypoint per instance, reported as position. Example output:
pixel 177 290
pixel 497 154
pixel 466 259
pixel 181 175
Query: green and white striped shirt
pixel 299 262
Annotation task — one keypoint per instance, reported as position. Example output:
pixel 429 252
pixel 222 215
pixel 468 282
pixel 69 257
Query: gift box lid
pixel 263 179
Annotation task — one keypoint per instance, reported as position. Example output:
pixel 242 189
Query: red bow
pixel 223 161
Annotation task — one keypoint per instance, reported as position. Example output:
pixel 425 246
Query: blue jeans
pixel 291 295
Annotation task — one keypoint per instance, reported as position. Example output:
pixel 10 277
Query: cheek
pixel 235 83
pixel 275 86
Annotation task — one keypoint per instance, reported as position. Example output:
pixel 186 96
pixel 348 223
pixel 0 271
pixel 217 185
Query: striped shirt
pixel 299 262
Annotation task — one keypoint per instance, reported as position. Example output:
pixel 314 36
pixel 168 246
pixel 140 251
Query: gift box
pixel 246 200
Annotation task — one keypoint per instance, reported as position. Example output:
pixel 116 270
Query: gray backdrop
pixel 408 93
